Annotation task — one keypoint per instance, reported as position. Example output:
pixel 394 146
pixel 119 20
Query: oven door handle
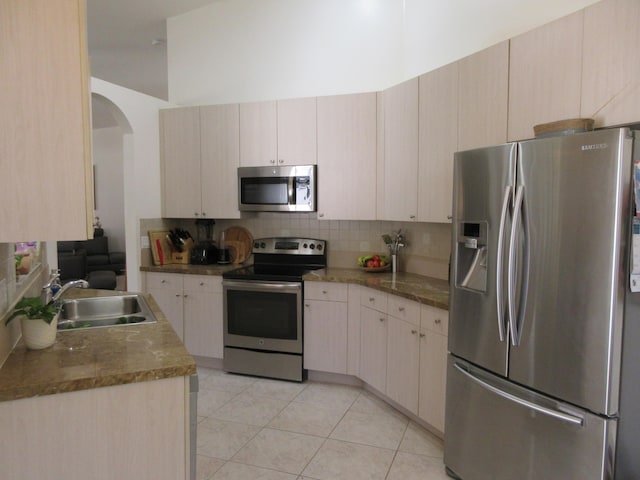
pixel 262 286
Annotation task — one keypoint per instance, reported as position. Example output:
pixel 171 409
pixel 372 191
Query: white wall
pixel 109 184
pixel 137 115
pixel 247 50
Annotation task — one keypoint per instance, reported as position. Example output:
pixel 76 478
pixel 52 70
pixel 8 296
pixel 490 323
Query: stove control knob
pixel 304 245
pixel 256 245
pixel 319 246
pixel 263 245
pixel 312 246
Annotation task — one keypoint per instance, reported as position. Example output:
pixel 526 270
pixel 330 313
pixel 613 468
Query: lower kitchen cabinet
pixel 325 327
pixel 403 352
pixel 373 347
pixel 193 306
pixel 433 365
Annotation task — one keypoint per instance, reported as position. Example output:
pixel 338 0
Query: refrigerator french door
pixel 540 256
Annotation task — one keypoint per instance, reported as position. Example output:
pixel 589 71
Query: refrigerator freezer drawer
pixel 497 430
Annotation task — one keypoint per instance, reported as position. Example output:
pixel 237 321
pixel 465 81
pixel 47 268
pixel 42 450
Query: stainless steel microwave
pixel 277 189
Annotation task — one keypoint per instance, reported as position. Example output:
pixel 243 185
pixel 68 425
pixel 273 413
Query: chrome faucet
pixel 53 289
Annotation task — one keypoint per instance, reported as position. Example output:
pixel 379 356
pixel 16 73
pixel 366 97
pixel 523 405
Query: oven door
pixel 263 315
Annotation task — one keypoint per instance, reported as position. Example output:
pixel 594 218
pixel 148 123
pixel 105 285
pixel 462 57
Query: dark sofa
pixel 90 260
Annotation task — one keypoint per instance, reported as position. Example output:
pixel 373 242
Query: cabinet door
pixel 258 134
pixel 438 142
pixel 545 67
pixel 180 159
pixel 433 365
pixel 347 157
pixel 297 144
pixel 610 63
pixel 403 357
pixel 353 331
pixel 483 95
pixel 203 323
pixel 400 177
pixel 45 123
pixel 373 348
pixel 166 290
pixel 433 378
pixel 325 336
pixel 220 156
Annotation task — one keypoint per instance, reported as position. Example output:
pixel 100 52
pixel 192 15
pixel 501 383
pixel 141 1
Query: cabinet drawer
pixel 404 309
pixel 335 292
pixel 203 283
pixel 434 319
pixel 168 281
pixel 374 299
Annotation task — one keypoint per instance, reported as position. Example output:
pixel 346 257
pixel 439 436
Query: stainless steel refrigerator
pixel 543 378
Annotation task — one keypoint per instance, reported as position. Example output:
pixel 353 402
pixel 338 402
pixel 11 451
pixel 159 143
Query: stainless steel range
pixel 263 323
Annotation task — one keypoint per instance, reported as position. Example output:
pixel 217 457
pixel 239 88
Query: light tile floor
pixel 251 428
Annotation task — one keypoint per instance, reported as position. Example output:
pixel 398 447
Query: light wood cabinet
pixel 167 291
pixel 373 338
pixel 545 70
pixel 203 322
pixel 193 304
pixel 403 352
pixel 180 160
pixel 278 133
pixel 94 433
pixel 610 63
pixel 325 327
pixel 438 141
pixel 45 123
pixel 433 366
pixel 400 162
pixel 347 157
pixel 200 156
pixel 483 96
pixel 220 158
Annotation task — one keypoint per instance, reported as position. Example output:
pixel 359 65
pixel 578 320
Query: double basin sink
pixel 95 312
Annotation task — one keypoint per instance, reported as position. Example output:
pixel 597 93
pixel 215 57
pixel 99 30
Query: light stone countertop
pixel 427 290
pixel 100 357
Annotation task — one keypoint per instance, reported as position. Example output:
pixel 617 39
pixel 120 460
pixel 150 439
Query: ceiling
pixel 121 37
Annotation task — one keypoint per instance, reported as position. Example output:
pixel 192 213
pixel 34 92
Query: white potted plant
pixel 39 322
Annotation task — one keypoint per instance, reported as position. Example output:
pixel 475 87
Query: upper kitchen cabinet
pixel 545 71
pixel 610 63
pixel 347 157
pixel 180 159
pixel 438 141
pixel 400 162
pixel 45 123
pixel 199 155
pixel 483 95
pixel 278 133
pixel 220 157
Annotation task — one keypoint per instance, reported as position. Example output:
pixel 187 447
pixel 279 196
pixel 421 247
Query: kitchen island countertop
pixel 99 357
pixel 427 290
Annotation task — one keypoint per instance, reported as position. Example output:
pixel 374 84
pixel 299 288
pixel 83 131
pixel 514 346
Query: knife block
pixel 181 257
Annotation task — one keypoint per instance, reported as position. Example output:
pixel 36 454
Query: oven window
pixel 265 191
pixel 262 314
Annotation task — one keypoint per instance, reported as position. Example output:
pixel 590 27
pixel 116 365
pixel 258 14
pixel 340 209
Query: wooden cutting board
pixel 160 247
pixel 241 241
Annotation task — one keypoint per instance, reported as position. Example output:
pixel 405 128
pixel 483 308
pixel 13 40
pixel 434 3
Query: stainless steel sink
pixel 95 312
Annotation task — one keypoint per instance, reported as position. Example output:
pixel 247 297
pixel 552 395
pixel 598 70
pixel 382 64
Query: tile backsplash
pixel 427 249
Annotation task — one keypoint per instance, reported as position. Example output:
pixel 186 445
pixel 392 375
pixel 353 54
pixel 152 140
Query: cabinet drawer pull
pixel 163 281
pixel 178 295
pixel 437 321
pixel 401 309
pixel 422 335
pixel 371 299
pixel 382 319
pixel 321 215
pixel 307 305
pixel 413 332
pixel 324 292
pixel 412 217
pixel 185 295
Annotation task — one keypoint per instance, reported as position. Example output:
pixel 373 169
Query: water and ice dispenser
pixel 471 265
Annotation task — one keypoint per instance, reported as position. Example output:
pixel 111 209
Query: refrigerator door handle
pixel 565 417
pixel 500 265
pixel 511 267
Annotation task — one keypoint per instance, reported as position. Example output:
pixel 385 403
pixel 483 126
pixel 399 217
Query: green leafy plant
pixel 32 308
